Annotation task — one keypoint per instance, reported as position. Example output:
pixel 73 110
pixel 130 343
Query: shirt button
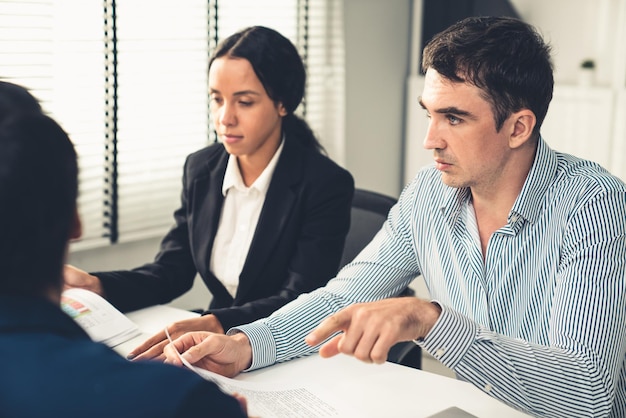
pixel 439 353
pixel 488 388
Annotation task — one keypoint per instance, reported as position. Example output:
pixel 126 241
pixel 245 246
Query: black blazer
pixel 51 368
pixel 295 249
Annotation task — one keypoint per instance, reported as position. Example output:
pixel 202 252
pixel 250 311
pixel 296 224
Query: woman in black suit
pixel 264 214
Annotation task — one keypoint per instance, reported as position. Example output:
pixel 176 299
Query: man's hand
pixel 227 355
pixel 74 277
pixel 152 348
pixel 371 329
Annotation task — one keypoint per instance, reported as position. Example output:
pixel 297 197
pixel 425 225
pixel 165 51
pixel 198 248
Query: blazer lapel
pixel 279 202
pixel 207 207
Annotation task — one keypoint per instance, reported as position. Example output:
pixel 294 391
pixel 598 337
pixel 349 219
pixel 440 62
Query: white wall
pixel 577 30
pixel 377 42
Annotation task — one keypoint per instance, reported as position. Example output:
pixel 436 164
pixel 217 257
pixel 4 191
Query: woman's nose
pixel 227 115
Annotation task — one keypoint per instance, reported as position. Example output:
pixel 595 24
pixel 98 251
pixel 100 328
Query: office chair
pixel 369 211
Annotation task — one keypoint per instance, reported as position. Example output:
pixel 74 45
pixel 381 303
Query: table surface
pixel 353 387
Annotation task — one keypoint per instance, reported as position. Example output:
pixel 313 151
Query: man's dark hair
pixel 504 57
pixel 16 99
pixel 38 190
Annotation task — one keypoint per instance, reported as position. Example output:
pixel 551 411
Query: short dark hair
pixel 14 98
pixel 503 56
pixel 38 190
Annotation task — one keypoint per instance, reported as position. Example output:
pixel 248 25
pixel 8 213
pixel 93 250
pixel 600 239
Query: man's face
pixel 462 134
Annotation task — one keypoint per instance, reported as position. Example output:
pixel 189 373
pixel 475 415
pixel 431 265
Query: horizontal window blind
pixel 45 48
pixel 162 103
pixel 127 79
pixel 325 95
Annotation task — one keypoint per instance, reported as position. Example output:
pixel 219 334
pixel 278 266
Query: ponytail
pixel 296 128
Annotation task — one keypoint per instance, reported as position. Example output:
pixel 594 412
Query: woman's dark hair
pixel 280 69
pixel 504 57
pixel 38 189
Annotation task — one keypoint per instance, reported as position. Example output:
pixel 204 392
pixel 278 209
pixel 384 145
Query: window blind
pixel 44 48
pixel 325 59
pixel 127 79
pixel 162 104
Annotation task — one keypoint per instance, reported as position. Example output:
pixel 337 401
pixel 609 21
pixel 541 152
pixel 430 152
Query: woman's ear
pixel 281 109
pixel 524 122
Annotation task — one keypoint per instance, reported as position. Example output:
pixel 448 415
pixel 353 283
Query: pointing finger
pixel 339 321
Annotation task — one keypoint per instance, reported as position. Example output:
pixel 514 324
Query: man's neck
pixel 493 203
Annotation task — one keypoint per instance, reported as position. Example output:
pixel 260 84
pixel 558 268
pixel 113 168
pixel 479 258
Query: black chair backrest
pixel 369 211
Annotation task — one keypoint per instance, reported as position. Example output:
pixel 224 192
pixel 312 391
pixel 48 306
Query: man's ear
pixel 77 226
pixel 524 122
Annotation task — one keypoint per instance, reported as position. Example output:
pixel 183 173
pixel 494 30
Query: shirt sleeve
pixel 383 269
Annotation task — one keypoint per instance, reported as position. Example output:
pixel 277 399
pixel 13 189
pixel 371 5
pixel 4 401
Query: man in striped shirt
pixel 523 249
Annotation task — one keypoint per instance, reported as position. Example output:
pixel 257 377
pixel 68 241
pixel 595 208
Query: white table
pixel 366 390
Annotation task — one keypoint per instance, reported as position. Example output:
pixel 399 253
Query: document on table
pixel 275 401
pixel 101 320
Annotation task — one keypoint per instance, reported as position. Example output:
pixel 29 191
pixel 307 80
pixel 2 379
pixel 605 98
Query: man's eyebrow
pixel 454 111
pixel 451 110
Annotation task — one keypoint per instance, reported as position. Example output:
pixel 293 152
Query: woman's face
pixel 246 120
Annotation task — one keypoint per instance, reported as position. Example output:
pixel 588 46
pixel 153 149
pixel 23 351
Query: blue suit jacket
pixel 296 248
pixel 50 368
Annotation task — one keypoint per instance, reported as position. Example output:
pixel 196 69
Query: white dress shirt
pixel 240 215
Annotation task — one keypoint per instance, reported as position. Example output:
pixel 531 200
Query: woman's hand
pixel 152 348
pixel 77 278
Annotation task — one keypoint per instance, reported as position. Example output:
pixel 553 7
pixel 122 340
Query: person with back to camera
pixel 264 213
pixel 522 249
pixel 51 368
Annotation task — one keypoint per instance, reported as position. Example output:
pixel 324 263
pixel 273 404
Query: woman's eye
pixel 244 103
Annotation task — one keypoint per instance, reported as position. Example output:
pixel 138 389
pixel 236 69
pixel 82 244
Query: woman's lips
pixel 231 139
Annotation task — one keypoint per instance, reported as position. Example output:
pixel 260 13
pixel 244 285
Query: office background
pixel 384 126
pixel 377 127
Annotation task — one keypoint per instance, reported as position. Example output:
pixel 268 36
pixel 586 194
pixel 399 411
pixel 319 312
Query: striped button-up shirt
pixel 539 324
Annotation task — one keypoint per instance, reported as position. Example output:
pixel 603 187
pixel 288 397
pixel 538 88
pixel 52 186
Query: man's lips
pixel 441 164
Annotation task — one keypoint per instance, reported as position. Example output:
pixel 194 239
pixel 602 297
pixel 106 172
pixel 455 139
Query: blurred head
pixel 504 57
pixel 38 190
pixel 14 98
pixel 279 68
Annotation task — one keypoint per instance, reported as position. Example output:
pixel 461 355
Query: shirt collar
pixel 232 176
pixel 528 204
